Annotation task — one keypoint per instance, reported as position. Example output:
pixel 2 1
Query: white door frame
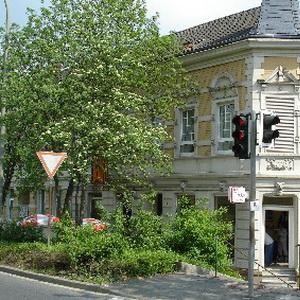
pixel 290 210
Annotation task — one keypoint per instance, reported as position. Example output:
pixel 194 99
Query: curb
pixel 189 269
pixel 63 282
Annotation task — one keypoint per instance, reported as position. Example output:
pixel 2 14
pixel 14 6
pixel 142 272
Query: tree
pixel 90 77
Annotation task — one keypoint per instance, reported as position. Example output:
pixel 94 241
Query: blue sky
pixel 174 14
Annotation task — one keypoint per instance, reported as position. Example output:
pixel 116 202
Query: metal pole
pixel 216 257
pixel 2 128
pixel 251 212
pixel 50 211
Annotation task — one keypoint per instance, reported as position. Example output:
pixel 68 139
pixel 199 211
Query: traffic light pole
pixel 253 132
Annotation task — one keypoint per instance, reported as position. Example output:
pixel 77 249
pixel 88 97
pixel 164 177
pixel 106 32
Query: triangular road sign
pixel 51 161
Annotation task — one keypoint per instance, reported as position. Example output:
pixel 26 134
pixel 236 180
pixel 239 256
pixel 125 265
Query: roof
pixel 276 18
pixel 220 31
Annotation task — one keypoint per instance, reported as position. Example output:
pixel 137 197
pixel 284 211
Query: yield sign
pixel 51 161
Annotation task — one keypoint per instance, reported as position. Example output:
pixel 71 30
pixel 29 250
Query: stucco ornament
pixel 280 74
pixel 280 164
pixel 222 186
pixel 278 187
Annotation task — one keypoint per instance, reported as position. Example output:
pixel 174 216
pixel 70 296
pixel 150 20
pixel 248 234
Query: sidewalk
pixel 191 287
pixel 178 286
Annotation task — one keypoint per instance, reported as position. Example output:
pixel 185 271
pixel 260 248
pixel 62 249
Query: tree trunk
pixel 77 218
pixel 8 175
pixel 68 197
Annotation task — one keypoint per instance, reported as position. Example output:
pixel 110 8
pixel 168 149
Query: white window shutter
pixel 284 107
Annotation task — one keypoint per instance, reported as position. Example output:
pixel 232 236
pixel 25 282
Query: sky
pixel 174 15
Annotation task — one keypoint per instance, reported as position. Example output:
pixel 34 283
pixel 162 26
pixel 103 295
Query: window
pixel 41 202
pixel 158 205
pixel 187 131
pixel 225 115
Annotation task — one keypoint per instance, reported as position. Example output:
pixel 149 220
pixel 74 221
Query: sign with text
pixel 237 194
pixel 51 161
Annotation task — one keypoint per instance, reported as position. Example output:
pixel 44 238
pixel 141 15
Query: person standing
pixel 269 248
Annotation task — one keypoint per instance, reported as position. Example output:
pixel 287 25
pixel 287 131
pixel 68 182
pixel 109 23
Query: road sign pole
pixel 252 198
pixel 51 184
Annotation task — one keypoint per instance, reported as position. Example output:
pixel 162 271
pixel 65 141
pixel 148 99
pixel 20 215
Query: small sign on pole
pixel 237 194
pixel 51 161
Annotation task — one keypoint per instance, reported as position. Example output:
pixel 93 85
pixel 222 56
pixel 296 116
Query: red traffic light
pixel 239 135
pixel 239 121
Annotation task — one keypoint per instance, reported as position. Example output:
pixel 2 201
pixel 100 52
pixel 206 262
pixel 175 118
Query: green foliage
pixel 196 233
pixel 184 202
pixel 102 213
pixel 86 246
pixel 144 230
pixel 135 262
pixel 14 232
pixel 64 229
pixel 148 262
pixel 142 245
pixel 132 263
pixel 36 256
pixel 89 78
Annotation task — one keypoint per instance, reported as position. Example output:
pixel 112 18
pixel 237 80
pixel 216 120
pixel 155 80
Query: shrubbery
pixel 142 245
pixel 196 234
pixel 144 230
pixel 14 232
pixel 36 256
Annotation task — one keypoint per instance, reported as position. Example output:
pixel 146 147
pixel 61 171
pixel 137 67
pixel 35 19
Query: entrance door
pixel 95 200
pixel 278 235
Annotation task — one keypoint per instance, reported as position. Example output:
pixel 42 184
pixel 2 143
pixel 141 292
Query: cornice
pixel 240 50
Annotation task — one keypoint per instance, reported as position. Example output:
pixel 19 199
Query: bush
pixel 148 262
pixel 134 263
pixel 86 246
pixel 37 256
pixel 14 232
pixel 195 234
pixel 145 230
pixel 63 230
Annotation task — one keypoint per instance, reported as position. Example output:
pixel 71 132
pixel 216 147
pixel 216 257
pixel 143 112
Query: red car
pixel 97 224
pixel 38 220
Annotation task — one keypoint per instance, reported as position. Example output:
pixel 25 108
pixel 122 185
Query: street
pixel 172 287
pixel 13 287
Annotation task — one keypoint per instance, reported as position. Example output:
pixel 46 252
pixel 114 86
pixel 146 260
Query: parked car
pixel 97 224
pixel 38 220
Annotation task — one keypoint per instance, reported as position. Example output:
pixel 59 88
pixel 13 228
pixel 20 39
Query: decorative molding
pixel 278 188
pixel 281 76
pixel 224 92
pixel 280 164
pixel 222 186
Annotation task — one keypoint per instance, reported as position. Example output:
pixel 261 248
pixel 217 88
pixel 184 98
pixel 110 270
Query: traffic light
pixel 268 133
pixel 240 147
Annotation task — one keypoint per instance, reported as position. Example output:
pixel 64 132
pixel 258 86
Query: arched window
pixel 224 96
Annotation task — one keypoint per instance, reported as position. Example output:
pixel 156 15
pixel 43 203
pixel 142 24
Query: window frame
pixel 192 142
pixel 218 139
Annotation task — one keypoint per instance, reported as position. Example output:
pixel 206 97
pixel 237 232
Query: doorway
pixel 96 199
pixel 278 237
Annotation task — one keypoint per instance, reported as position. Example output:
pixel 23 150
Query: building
pixel 243 62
